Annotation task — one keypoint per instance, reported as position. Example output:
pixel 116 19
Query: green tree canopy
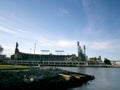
pixel 1 49
pixel 107 61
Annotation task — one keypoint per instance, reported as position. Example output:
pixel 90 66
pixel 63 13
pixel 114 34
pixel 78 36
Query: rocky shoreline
pixel 41 78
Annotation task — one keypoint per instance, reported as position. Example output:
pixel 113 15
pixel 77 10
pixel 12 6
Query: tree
pixel 72 57
pixel 93 59
pixel 107 61
pixel 1 49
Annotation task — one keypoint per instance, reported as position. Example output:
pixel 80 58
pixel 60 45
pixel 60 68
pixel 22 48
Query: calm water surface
pixel 105 78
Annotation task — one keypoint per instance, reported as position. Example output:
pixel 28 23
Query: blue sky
pixel 59 24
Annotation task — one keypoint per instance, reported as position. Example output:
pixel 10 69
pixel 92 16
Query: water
pixel 105 78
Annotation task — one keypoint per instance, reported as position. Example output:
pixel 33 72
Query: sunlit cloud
pixel 66 44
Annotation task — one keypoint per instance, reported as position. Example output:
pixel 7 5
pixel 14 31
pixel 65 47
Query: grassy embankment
pixel 13 66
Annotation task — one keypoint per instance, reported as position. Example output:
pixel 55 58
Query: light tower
pixel 84 50
pixel 79 48
pixel 79 51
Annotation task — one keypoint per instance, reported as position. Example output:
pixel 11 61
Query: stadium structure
pixel 81 59
pixel 49 57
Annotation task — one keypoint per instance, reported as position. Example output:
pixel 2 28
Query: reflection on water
pixel 105 78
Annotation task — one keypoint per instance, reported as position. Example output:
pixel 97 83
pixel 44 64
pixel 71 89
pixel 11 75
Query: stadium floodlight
pixel 45 51
pixel 59 51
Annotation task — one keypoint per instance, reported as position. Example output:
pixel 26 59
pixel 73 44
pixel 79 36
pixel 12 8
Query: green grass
pixel 12 66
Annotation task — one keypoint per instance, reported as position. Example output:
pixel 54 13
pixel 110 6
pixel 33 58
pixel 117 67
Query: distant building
pixel 2 57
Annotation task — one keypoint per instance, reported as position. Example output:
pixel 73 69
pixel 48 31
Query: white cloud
pixel 109 46
pixel 99 45
pixel 63 11
pixel 17 32
pixel 66 44
pixel 2 19
pixel 4 29
pixel 8 50
pixel 56 44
